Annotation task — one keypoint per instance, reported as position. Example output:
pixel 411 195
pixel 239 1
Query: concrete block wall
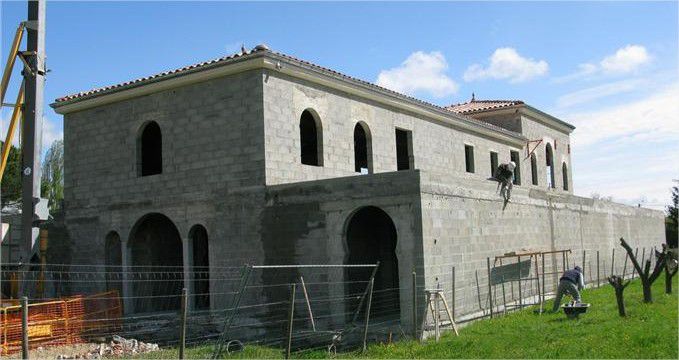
pixel 212 144
pixel 437 147
pixel 305 223
pixel 535 129
pixel 463 224
pixel 560 142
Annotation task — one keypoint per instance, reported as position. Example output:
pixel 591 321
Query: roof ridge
pixel 160 74
pixel 498 100
pixel 265 49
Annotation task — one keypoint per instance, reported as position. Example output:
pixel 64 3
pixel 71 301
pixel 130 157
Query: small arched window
pixel 564 171
pixel 534 169
pixel 150 150
pixel 362 149
pixel 549 159
pixel 311 139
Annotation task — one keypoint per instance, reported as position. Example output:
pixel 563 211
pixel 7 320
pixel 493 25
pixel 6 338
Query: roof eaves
pixel 551 117
pixel 232 59
pixel 166 75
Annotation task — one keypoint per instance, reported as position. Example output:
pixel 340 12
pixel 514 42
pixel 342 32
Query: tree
pixel 11 179
pixel 670 267
pixel 647 277
pixel 671 221
pixel 619 286
pixel 52 184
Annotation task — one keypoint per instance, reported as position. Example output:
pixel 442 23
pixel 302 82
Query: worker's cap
pixel 513 163
pixel 578 269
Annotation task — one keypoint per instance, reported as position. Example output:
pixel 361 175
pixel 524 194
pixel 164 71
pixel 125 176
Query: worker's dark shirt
pixel 504 173
pixel 573 276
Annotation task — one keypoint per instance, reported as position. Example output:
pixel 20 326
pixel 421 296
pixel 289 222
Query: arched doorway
pixel 371 237
pixel 200 278
pixel 157 267
pixel 114 261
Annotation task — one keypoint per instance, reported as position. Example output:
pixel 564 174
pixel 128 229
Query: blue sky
pixel 610 68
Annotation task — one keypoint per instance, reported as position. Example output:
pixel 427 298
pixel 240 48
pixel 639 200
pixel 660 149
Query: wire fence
pixel 294 308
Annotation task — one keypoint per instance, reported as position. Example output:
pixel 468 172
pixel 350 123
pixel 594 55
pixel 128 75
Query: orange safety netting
pixel 61 322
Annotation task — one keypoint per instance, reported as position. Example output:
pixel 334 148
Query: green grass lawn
pixel 648 331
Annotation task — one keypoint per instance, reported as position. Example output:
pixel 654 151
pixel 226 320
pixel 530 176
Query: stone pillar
pixel 127 291
pixel 187 261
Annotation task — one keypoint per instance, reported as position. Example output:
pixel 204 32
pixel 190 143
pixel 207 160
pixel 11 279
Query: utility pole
pixel 34 77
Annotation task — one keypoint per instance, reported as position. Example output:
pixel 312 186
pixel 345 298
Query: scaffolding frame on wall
pixel 521 274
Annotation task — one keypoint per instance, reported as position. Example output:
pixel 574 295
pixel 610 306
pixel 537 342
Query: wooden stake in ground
pixel 647 277
pixel 617 283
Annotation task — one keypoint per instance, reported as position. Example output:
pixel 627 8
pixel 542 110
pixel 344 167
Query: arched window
pixel 534 169
pixel 150 150
pixel 362 149
pixel 549 159
pixel 201 267
pixel 114 261
pixel 311 139
pixel 564 171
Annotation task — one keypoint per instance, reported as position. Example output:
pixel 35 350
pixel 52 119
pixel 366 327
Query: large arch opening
pixel 549 156
pixel 150 150
pixel 311 139
pixel 362 149
pixel 114 261
pixel 200 280
pixel 371 237
pixel 157 267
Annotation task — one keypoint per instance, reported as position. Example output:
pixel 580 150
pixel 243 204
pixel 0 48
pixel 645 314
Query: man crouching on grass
pixel 570 283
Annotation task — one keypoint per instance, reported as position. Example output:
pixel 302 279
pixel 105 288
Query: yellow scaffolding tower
pixel 4 83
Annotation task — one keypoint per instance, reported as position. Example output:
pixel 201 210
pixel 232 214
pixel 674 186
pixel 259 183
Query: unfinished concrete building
pixel 263 158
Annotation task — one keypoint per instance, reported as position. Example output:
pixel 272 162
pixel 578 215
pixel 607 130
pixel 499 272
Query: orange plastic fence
pixel 61 322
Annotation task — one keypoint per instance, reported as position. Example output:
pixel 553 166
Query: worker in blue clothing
pixel 571 282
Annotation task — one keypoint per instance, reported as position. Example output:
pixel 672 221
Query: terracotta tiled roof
pixel 159 76
pixel 244 55
pixel 482 105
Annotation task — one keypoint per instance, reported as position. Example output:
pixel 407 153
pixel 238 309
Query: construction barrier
pixel 61 322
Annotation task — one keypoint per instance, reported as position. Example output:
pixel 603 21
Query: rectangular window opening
pixel 469 158
pixel 493 163
pixel 514 155
pixel 534 169
pixel 404 150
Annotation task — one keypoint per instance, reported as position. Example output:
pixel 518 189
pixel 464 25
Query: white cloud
pixel 654 117
pixel 507 64
pixel 629 151
pixel 420 72
pixel 50 133
pixel 625 60
pixel 598 92
pixel 5 126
